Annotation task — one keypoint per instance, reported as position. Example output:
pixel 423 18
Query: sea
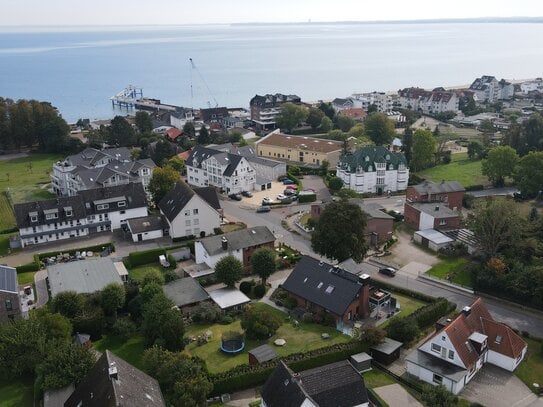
pixel 78 69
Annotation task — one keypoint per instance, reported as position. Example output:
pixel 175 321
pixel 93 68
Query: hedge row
pixel 307 198
pixel 429 314
pixel 476 187
pixel 28 267
pixel 404 291
pixel 245 376
pixel 135 259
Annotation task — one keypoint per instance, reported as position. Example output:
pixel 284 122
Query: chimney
pixel 436 208
pixel 466 310
pixel 297 378
pixel 364 297
pixel 336 268
pixel 113 372
pixel 224 242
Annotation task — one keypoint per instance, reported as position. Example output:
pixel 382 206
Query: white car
pixel 267 200
pixel 280 197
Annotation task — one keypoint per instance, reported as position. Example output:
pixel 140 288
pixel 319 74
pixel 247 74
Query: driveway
pixel 396 396
pixel 405 250
pixel 496 387
pixel 316 183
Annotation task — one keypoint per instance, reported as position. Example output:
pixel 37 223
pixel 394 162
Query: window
pixel 188 232
pixel 9 305
pixel 34 218
pixel 122 212
pixel 437 379
pixel 196 222
pixel 195 211
pixel 120 204
pixel 51 216
pixel 451 354
pixel 442 222
pixel 329 289
pixel 102 206
pixel 436 348
pixel 69 213
pixel 187 222
pixel 320 284
pixel 187 212
pixel 498 339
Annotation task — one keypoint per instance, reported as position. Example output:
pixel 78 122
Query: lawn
pixel 408 305
pixel 26 277
pixel 454 270
pixel 27 177
pixel 467 172
pixel 7 216
pixel 232 227
pixel 4 243
pixel 531 369
pixel 17 393
pixel 137 273
pixel 301 339
pixel 131 350
pixel 375 378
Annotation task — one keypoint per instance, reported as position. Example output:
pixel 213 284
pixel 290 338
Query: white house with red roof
pixel 459 348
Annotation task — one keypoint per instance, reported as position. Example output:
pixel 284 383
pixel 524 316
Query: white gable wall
pixel 428 377
pixel 202 256
pixel 505 362
pixel 426 221
pixel 197 216
pixel 443 340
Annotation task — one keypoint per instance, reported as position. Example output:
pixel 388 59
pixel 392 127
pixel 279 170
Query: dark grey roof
pixel 238 239
pixel 57 397
pixel 200 154
pixel 311 279
pixel 367 156
pixel 335 385
pixel 89 156
pixel 8 279
pixel 388 346
pixel 132 387
pixel 372 209
pixel 248 152
pixel 436 365
pixel 133 194
pixel 145 224
pixel 438 187
pixel 437 210
pixel 233 161
pixel 269 100
pixel 185 291
pixel 81 339
pixel 263 353
pixel 282 390
pixel 175 200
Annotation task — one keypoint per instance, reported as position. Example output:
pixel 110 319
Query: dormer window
pixel 68 211
pixel 102 207
pixel 33 216
pixel 121 204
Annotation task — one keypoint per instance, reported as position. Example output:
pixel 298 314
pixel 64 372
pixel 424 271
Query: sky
pixel 167 12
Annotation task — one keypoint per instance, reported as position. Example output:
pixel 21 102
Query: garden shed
pixel 432 239
pixel 386 352
pixel 261 354
pixel 361 362
pixel 229 299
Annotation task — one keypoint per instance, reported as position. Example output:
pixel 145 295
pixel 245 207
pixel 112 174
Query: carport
pixel 432 239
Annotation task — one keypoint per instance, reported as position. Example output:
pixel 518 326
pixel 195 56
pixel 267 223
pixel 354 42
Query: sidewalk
pixel 41 288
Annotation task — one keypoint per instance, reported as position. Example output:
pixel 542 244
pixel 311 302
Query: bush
pixel 290 303
pixel 170 275
pixel 304 198
pixel 259 291
pixel 403 329
pixel 227 319
pixel 477 187
pixel 144 257
pixel 259 323
pixel 172 261
pixel 468 200
pixel 123 328
pixel 206 312
pixel 245 287
pixel 218 231
pixel 28 267
pixel 308 317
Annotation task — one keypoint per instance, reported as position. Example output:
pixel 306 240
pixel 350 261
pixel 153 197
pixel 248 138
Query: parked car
pixel 280 178
pixel 309 190
pixel 280 197
pixel 293 187
pixel 288 181
pixel 266 200
pixel 262 209
pixel 248 194
pixel 289 192
pixel 388 271
pixel 235 197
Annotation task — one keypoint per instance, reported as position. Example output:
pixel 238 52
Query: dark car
pixel 388 271
pixel 235 197
pixel 262 209
pixel 288 181
pixel 289 192
pixel 247 194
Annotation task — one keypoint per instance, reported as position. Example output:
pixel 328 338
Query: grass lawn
pixel 17 393
pixel 26 277
pixel 531 369
pixel 7 216
pixel 375 378
pixel 231 227
pixel 131 350
pixel 303 338
pixel 452 269
pixel 137 273
pixel 4 243
pixel 467 172
pixel 408 305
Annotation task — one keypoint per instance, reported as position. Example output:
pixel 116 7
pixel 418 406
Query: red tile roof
pixel 354 113
pixel 185 154
pixel 173 133
pixel 510 344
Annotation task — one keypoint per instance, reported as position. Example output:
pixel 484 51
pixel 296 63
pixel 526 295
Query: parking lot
pixel 276 189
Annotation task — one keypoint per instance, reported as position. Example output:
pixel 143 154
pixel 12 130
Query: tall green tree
pixel 162 324
pixel 379 128
pixel 357 131
pixel 335 183
pixel 228 270
pixel 475 150
pixel 204 137
pixel 529 173
pixel 438 396
pixel 68 303
pixel 162 181
pixel 326 124
pixel 263 263
pixel 314 117
pixel 189 130
pixel 328 110
pixel 259 322
pixel 339 232
pixel 344 123
pixel 499 164
pixel 407 143
pixel 177 164
pixel 162 152
pixel 121 133
pixel 144 122
pixel 532 130
pixel 290 116
pixel 423 150
pixel 56 326
pixel 112 298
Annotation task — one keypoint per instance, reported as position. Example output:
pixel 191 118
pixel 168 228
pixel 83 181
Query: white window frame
pixel 435 348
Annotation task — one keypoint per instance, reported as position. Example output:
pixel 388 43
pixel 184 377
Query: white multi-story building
pixel 231 173
pixel 373 169
pixel 488 89
pixel 264 109
pixel 428 102
pixel 384 102
pixel 531 86
pixel 94 168
pixel 90 211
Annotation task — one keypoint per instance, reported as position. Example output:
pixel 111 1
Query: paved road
pixel 494 192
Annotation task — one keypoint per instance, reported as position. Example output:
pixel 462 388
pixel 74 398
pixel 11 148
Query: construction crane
pixel 195 68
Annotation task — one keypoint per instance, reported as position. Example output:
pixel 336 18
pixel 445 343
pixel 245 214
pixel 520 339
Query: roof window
pixel 329 289
pixel 320 285
pixel 498 339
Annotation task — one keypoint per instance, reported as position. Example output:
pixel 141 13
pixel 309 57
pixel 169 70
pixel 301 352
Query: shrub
pixel 468 200
pixel 152 276
pixel 123 328
pixel 290 303
pixel 245 287
pixel 206 312
pixel 170 275
pixel 403 329
pixel 218 231
pixel 259 323
pixel 28 267
pixel 304 198
pixel 227 319
pixel 308 317
pixel 172 261
pixel 259 291
pixel 477 187
pixel 144 257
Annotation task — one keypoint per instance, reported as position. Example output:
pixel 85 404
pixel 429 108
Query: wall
pixel 453 199
pixel 206 220
pixel 411 216
pixel 154 234
pixel 442 339
pixel 427 376
pixel 117 218
pixel 366 182
pixel 269 172
pixel 426 221
pixel 201 255
pixel 503 361
pixel 383 228
pixel 248 252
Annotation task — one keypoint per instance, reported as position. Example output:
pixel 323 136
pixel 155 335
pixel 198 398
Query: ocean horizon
pixel 78 69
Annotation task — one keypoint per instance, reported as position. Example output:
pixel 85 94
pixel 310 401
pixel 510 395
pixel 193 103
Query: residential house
pixel 334 385
pixel 213 115
pixel 383 102
pixel 114 382
pixel 90 211
pixel 10 307
pixel 340 104
pixel 450 193
pixel 373 169
pixel 180 117
pixel 264 109
pixel 191 212
pixel 433 215
pixel 145 228
pixel 355 113
pixel 488 89
pixel 186 293
pixel 172 134
pixel 83 276
pixel 230 173
pixel 92 168
pixel 240 243
pixel 533 86
pixel 459 348
pixel 329 291
pixel 301 150
pixel 428 102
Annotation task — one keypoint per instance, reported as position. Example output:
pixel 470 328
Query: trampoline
pixel 232 343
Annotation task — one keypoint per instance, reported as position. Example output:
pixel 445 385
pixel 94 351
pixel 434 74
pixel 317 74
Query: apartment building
pixel 428 102
pixel 264 109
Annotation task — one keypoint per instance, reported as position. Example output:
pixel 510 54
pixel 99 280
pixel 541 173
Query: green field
pixel 453 270
pixel 467 172
pixel 25 278
pixel 16 393
pixel 531 369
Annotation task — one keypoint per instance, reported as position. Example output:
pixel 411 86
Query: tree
pixel 162 151
pixel 290 116
pixel 438 396
pixel 228 270
pixel 403 329
pixel 496 224
pixel 529 174
pixel 56 326
pixel 162 324
pixel 532 131
pixel 335 184
pixel 112 298
pixel 144 122
pixel 326 124
pixel 345 123
pixel 371 335
pixel 423 150
pixel 379 128
pixel 188 130
pixel 263 263
pixel 68 303
pixel 162 182
pixel 152 276
pixel 121 133
pixel 259 322
pixel 177 164
pixel 339 232
pixel 487 126
pixel 407 143
pixel 327 109
pixel 499 164
pixel 314 117
pixel 204 137
pixel 475 150
pixel 123 329
pixel 357 131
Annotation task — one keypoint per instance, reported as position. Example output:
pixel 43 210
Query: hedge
pixel 404 291
pixel 429 314
pixel 303 198
pixel 477 187
pixel 28 267
pixel 135 259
